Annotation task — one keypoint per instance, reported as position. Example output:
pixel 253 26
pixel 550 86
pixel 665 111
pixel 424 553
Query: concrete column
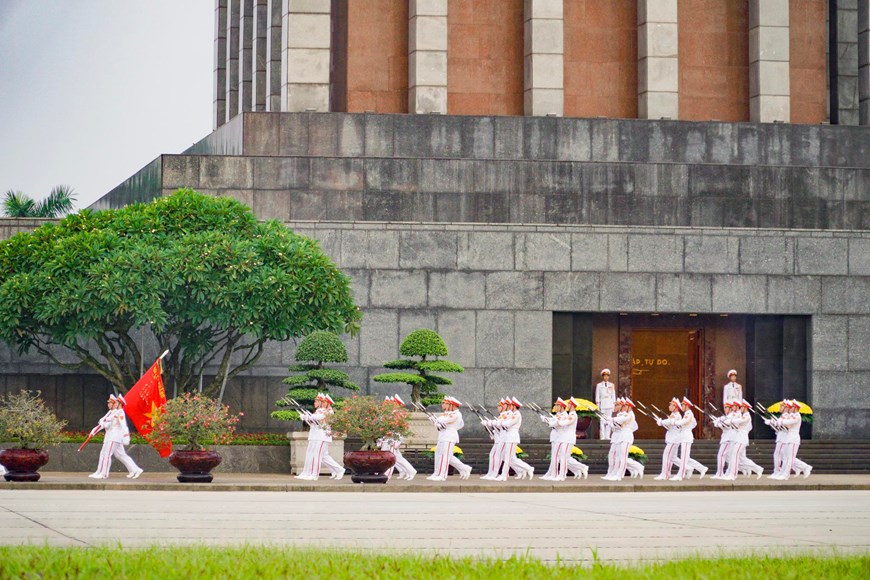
pixel 658 72
pixel 273 55
pixel 232 99
pixel 219 115
pixel 427 56
pixel 846 21
pixel 306 33
pixel 544 57
pixel 246 56
pixel 261 32
pixel 864 62
pixel 769 87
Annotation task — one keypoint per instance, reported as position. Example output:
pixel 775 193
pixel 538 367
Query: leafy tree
pixel 316 349
pixel 200 275
pixel 59 202
pixel 428 346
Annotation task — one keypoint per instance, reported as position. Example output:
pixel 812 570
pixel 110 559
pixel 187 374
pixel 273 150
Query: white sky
pixel 93 90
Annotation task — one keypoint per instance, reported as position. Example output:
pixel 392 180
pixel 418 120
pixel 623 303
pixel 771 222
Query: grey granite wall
pixel 490 290
pixel 530 170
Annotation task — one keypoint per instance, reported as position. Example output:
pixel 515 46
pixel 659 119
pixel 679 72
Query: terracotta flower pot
pixel 22 464
pixel 195 466
pixel 583 424
pixel 369 466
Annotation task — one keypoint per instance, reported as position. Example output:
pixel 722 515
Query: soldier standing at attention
pixel 605 398
pixel 732 392
pixel 117 435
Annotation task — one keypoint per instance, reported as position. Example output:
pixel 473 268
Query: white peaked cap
pixel 399 400
pixel 606 371
pixel 731 372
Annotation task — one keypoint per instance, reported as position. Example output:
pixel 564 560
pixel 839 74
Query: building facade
pixel 667 189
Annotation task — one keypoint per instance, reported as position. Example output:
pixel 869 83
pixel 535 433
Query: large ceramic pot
pixel 195 466
pixel 369 466
pixel 22 464
pixel 582 425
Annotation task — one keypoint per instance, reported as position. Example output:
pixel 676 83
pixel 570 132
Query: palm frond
pixel 17 204
pixel 59 202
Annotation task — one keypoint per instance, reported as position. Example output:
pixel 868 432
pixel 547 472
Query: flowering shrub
pixel 430 453
pixel 26 420
pixel 194 419
pixel 638 454
pixel 586 408
pixel 520 453
pixel 266 439
pixel 369 420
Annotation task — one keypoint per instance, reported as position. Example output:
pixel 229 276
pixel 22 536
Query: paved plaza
pixel 620 527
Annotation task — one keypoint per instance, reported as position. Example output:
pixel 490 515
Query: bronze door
pixel 665 363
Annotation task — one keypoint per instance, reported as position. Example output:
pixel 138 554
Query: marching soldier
pixel 392 444
pixel 672 425
pixel 726 441
pixel 605 398
pixel 744 464
pixel 449 422
pixel 732 391
pixel 497 434
pixel 687 433
pixel 319 438
pixel 624 425
pixel 575 466
pixel 562 438
pixel 788 439
pixel 114 423
pixel 520 467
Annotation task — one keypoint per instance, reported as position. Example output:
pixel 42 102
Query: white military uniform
pixel 449 423
pixel 744 464
pixel 685 463
pixel 635 468
pixel 624 425
pixel 402 465
pixel 788 441
pixel 117 435
pixel 732 392
pixel 498 442
pixel 605 398
pixel 726 442
pixel 672 442
pixel 562 438
pixel 317 453
pixel 510 427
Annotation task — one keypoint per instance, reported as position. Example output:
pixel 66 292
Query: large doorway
pixel 665 363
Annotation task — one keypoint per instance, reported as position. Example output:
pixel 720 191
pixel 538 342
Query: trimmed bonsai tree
pixel 317 348
pixel 426 345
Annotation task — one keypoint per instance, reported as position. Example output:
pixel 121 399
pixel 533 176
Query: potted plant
pixel 314 351
pixel 369 420
pixel 428 346
pixel 26 420
pixel 198 421
pixel 586 411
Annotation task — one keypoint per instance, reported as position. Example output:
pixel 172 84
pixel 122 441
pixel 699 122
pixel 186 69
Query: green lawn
pixel 272 562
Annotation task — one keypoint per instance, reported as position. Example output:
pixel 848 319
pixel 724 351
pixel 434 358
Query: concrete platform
pixel 572 527
pixel 161 481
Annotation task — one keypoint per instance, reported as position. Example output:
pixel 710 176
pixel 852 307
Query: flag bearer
pixel 117 435
pixel 319 438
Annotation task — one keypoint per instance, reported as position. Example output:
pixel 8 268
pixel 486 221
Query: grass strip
pixel 277 562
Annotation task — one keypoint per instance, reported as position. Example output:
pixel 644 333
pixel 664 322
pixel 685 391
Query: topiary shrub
pixel 428 346
pixel 317 348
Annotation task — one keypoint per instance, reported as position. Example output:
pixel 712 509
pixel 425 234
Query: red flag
pixel 144 402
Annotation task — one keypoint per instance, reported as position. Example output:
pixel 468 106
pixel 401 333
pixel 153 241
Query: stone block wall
pixel 526 170
pixel 491 291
